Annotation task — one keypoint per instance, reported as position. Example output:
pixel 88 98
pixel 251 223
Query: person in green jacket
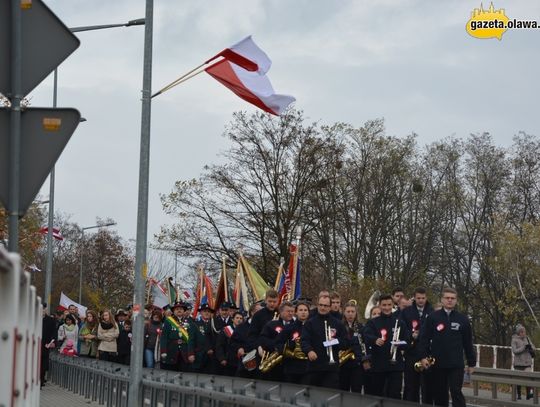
pixel 176 342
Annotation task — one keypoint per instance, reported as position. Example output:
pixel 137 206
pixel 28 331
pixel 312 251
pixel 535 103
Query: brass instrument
pixel 395 338
pixel 271 361
pixel 267 354
pixel 420 368
pixel 372 302
pixel 295 353
pixel 345 356
pixel 329 349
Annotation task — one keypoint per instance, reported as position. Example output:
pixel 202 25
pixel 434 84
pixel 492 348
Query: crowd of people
pixel 407 349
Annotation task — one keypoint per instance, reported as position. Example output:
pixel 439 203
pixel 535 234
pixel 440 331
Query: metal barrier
pixel 495 352
pixel 513 378
pixel 108 384
pixel 20 333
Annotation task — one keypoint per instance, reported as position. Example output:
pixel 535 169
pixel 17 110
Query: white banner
pixel 65 302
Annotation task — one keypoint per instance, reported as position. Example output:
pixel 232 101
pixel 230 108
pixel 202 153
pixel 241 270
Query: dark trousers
pixel 297 378
pixel 412 380
pixel 329 379
pixel 518 388
pixel 443 380
pixel 107 356
pixel 385 384
pixel 44 363
pixel 351 379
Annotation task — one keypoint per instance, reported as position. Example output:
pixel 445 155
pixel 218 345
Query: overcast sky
pixel 410 62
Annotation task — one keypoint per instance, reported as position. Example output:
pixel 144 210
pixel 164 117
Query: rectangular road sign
pixel 46 42
pixel 44 134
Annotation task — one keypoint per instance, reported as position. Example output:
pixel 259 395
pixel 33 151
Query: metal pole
pixel 135 388
pixel 15 126
pixel 81 268
pixel 175 267
pixel 50 225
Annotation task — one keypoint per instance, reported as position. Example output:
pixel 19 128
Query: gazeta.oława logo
pixel 487 24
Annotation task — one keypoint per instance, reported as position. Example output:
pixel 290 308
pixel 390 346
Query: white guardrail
pixel 20 334
pixel 496 352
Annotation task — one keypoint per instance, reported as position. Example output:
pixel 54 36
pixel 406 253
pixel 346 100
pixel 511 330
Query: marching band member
pixel 397 294
pixel 208 345
pixel 352 371
pixel 263 316
pixel 335 306
pixel 446 335
pixel 240 339
pixel 323 337
pixel 414 317
pixel 269 334
pixel 175 342
pixel 227 347
pixel 386 337
pixel 294 368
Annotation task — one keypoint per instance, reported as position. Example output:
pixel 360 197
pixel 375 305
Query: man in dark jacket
pixel 176 341
pixel 446 335
pixel 208 363
pixel 263 316
pixel 414 317
pixel 48 339
pixel 227 346
pixel 323 337
pixel 387 362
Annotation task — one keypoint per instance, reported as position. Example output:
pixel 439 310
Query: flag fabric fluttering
pixel 289 283
pixel 65 302
pixel 55 232
pixel 250 86
pixel 222 291
pixel 240 293
pixel 159 295
pixel 171 291
pixel 205 294
pixel 247 55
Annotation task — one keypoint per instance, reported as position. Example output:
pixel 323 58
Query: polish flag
pixel 246 54
pixel 250 86
pixel 55 232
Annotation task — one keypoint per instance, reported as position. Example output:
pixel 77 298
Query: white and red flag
pixel 246 54
pixel 250 86
pixel 55 232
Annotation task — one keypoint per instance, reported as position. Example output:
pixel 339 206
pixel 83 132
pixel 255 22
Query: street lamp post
pixel 48 268
pixel 82 254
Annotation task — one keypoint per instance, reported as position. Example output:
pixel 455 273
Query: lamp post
pixel 48 268
pixel 82 253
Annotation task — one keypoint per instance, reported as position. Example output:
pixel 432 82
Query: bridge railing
pixel 512 378
pixel 498 357
pixel 108 384
pixel 20 334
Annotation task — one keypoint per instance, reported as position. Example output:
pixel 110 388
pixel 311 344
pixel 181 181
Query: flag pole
pixel 224 270
pixel 185 77
pixel 295 264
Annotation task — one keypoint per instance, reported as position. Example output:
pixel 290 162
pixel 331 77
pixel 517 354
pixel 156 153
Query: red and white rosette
pixel 440 327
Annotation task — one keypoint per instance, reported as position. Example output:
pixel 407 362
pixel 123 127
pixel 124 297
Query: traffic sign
pixel 46 42
pixel 44 134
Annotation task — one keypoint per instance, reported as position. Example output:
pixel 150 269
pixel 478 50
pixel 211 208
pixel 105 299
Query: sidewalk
pixel 55 396
pixel 484 398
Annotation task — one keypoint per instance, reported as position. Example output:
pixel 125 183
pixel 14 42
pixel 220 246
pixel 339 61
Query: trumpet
pixel 420 368
pixel 329 349
pixel 395 338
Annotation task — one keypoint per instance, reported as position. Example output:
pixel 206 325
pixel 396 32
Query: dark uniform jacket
pixel 239 339
pixel 354 338
pixel 288 337
pixel 414 322
pixel 445 337
pixel 383 327
pixel 258 322
pixel 227 347
pixel 173 345
pixel 219 322
pixel 269 334
pixel 313 336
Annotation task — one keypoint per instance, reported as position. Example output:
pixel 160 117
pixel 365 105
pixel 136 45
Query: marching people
pixel 446 335
pixel 294 367
pixel 266 344
pixel 523 350
pixel 68 330
pixel 88 335
pixel 176 344
pixel 351 372
pixel 227 347
pixel 323 336
pixel 240 339
pixel 414 317
pixel 386 336
pixel 107 334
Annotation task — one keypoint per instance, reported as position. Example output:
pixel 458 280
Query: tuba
pixel 345 356
pixel 372 302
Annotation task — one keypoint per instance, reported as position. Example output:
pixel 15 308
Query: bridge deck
pixel 55 396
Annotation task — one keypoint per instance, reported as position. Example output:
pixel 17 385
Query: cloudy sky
pixel 410 62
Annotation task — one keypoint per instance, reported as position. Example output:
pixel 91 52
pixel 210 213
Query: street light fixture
pixel 82 253
pixel 48 268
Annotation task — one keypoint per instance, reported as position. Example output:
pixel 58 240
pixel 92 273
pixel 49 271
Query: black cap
pixel 205 307
pixel 225 305
pixel 178 304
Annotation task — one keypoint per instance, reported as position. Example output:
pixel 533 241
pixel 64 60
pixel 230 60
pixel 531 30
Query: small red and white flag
pixel 228 330
pixel 246 54
pixel 250 86
pixel 55 232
